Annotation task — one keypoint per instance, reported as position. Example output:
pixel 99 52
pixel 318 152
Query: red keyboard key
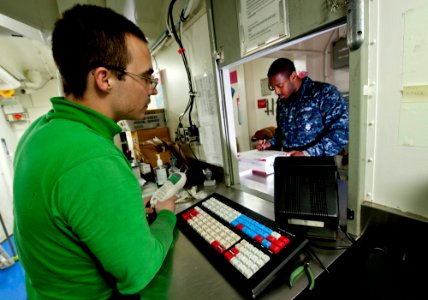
pixel 271 238
pixel 218 247
pixel 274 248
pixel 194 212
pixel 234 250
pixel 229 255
pixel 279 243
pixel 258 238
pixel 284 239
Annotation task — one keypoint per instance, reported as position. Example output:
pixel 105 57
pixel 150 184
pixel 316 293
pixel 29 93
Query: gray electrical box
pixel 340 54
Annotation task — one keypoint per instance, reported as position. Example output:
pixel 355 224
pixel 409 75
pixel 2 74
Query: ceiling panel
pixel 26 26
pixel 40 14
pixel 150 15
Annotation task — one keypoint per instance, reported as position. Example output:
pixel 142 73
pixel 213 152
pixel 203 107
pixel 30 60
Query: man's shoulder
pixel 318 85
pixel 321 92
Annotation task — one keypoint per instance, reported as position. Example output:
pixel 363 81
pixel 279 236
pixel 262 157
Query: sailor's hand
pixel 295 153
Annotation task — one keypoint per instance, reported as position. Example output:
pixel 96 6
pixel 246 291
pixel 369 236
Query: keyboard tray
pixel 245 247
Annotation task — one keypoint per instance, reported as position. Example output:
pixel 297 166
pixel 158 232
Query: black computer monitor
pixel 306 195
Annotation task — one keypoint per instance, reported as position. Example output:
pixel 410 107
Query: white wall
pixel 254 72
pixel 240 109
pixel 6 173
pixel 36 104
pixel 397 147
pixel 195 40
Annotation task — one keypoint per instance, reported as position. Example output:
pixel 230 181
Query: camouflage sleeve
pixel 278 131
pixel 336 115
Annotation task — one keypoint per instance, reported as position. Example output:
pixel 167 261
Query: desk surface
pixel 187 274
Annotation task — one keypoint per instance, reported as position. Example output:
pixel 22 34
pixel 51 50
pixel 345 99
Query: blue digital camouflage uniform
pixel 315 120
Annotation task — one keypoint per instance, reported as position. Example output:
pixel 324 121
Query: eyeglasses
pixel 153 81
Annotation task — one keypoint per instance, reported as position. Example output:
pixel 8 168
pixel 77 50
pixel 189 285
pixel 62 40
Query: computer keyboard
pixel 244 246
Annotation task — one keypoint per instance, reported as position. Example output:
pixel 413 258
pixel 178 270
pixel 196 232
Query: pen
pixel 264 143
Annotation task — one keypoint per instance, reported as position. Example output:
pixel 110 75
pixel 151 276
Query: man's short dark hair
pixel 89 36
pixel 281 65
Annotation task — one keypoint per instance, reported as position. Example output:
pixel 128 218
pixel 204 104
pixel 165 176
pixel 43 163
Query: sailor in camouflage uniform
pixel 312 117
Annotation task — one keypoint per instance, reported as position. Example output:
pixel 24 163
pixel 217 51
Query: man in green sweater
pixel 80 223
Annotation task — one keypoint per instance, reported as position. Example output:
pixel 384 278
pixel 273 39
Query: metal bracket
pixel 350 215
pixel 219 55
pixel 270 110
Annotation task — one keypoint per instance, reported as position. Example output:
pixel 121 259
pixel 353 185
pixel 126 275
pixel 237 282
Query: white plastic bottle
pixel 160 172
pixel 5 259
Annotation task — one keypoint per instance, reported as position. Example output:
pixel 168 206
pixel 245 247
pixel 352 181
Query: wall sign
pixel 262 23
pixel 261 103
pixel 264 87
pixel 414 101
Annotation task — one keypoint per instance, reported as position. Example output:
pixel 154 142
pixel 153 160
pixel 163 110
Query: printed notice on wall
pixel 414 101
pixel 262 23
pixel 208 119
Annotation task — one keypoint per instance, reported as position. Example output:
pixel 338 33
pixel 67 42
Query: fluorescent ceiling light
pixel 7 81
pixel 21 28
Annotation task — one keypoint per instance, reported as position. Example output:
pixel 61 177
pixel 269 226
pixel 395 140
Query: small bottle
pixel 173 169
pixel 145 168
pixel 160 172
pixel 136 168
pixel 5 260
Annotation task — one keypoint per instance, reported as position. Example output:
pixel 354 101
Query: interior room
pixel 186 204
pixel 322 56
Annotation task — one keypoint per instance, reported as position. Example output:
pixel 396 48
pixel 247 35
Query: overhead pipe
pixel 163 37
pixel 355 20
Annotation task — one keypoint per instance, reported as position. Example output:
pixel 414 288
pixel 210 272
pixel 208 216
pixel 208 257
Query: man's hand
pixel 168 204
pixel 149 210
pixel 263 145
pixel 294 153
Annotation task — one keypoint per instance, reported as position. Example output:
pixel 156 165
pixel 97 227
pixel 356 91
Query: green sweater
pixel 73 185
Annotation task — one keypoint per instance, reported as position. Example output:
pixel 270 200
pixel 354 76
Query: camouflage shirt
pixel 315 119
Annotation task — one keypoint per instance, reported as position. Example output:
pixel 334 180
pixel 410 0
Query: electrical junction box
pixel 15 113
pixel 340 54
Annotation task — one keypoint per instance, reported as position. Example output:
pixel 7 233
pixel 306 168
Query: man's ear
pixel 101 77
pixel 293 76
